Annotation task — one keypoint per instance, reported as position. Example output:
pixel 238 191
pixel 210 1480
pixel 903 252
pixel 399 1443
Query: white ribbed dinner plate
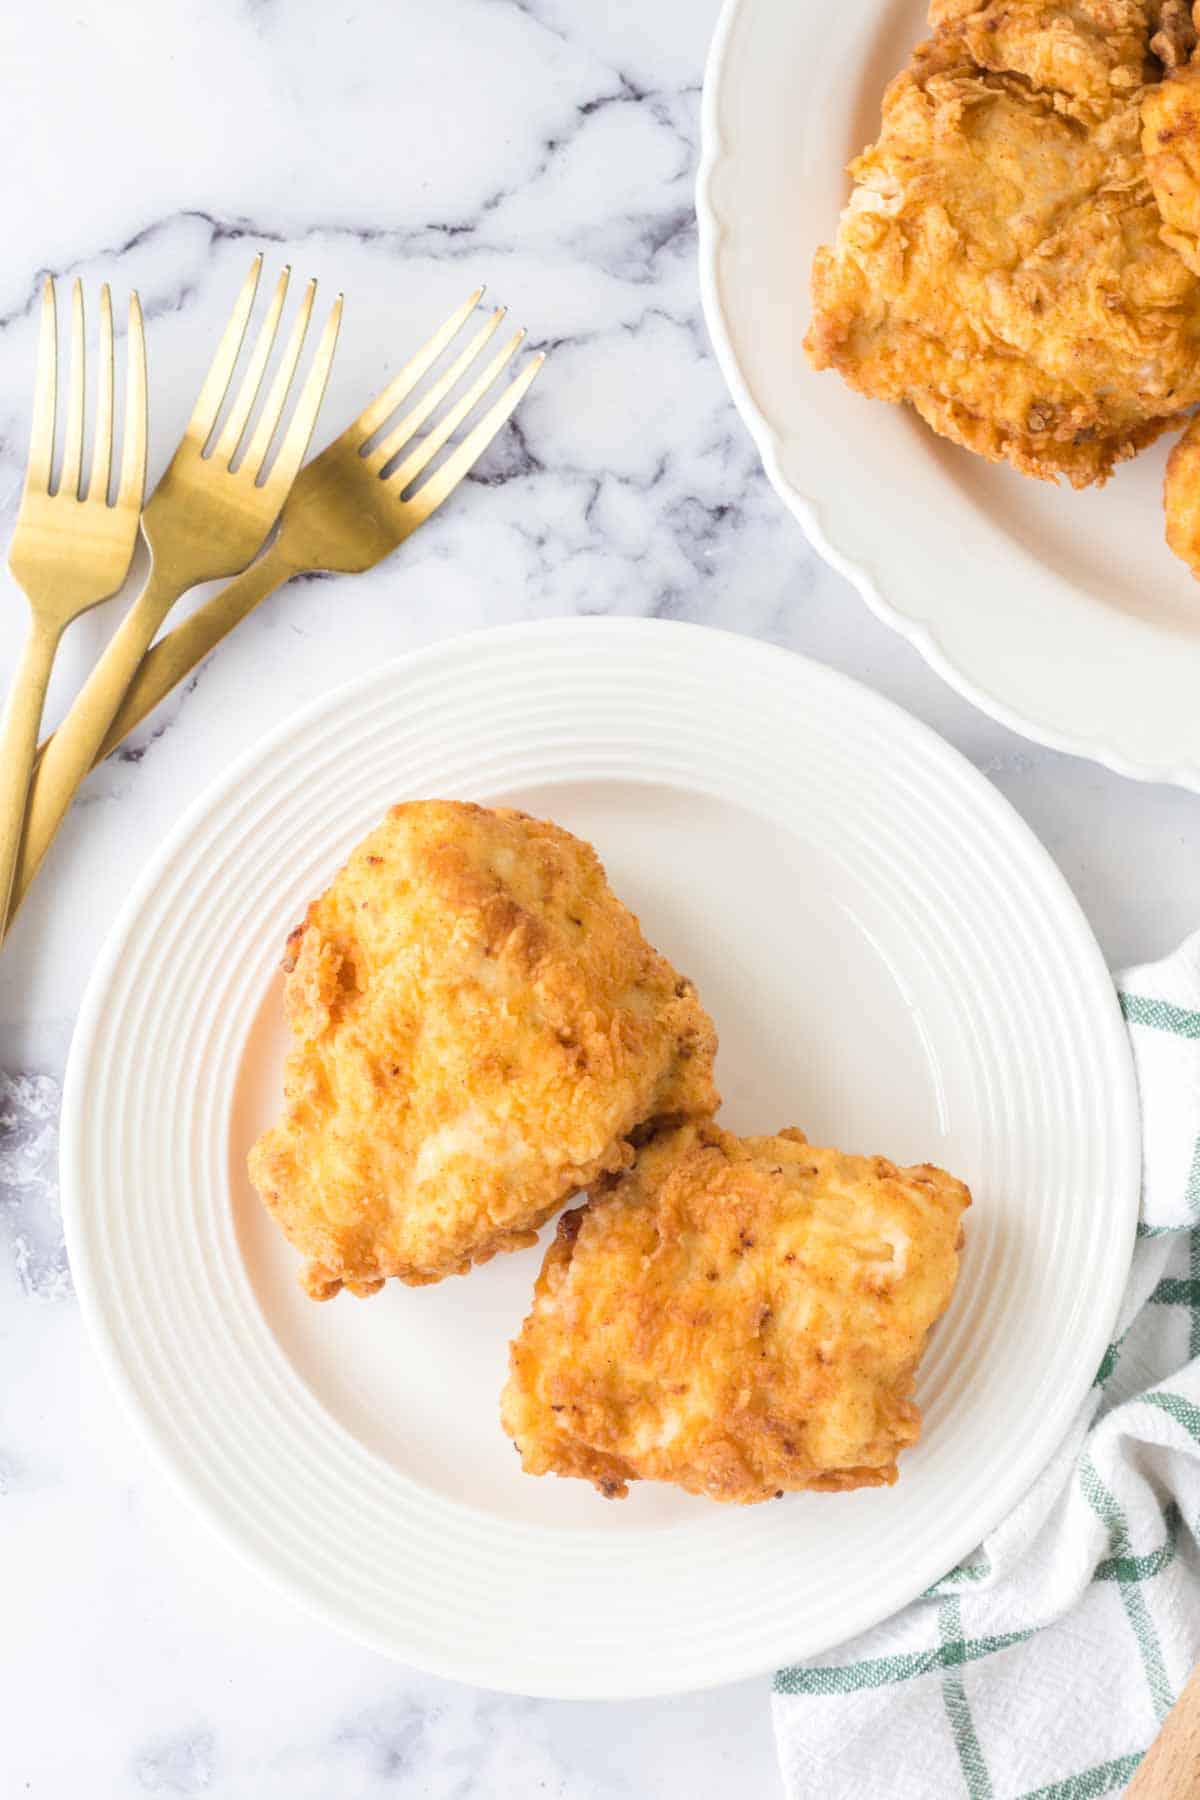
pixel 893 963
pixel 1063 615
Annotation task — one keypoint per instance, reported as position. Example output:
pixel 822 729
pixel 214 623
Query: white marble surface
pixel 403 152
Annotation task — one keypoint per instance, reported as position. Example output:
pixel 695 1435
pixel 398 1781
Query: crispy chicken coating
pixel 1171 143
pixel 478 1030
pixel 1171 146
pixel 1181 497
pixel 740 1316
pixel 1002 264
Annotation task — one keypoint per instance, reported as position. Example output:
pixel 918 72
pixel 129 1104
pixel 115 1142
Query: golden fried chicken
pixel 478 1030
pixel 1002 264
pixel 1171 138
pixel 740 1316
pixel 1181 497
pixel 1171 144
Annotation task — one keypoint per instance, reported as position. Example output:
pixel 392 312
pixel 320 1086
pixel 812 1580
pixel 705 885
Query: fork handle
pixel 70 752
pixel 177 654
pixel 18 742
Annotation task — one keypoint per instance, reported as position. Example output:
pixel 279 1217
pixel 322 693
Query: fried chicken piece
pixel 1181 497
pixel 478 1029
pixel 1001 264
pixel 1175 39
pixel 1171 144
pixel 740 1316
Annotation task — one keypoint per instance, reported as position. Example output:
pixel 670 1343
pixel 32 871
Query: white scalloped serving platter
pixel 893 962
pixel 1063 615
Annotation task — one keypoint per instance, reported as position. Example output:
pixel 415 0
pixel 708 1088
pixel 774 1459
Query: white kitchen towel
pixel 1042 1667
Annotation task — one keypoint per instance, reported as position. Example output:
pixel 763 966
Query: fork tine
pixel 443 481
pixel 433 396
pixel 247 394
pixel 45 392
pixel 102 444
pixel 382 407
pixel 133 454
pixel 294 448
pixel 220 373
pixel 256 455
pixel 73 447
pixel 427 447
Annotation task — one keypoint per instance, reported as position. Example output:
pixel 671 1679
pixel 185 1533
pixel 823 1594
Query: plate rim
pixel 1179 769
pixel 1123 1111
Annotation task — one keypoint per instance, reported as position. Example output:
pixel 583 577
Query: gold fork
pixel 341 517
pixel 69 551
pixel 204 519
